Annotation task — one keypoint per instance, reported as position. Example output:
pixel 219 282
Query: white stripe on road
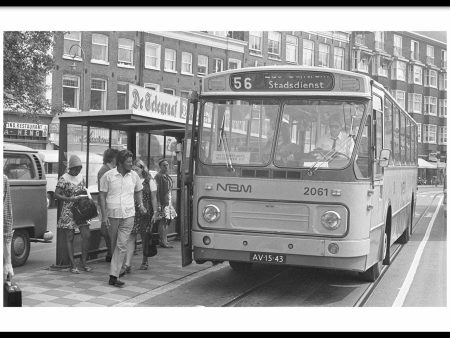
pixel 413 269
pixel 168 287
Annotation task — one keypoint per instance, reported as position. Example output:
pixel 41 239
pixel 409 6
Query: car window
pixel 18 167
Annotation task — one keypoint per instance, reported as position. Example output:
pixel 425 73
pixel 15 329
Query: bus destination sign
pixel 282 81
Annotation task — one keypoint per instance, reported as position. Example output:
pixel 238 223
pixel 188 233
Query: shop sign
pixel 25 129
pixel 156 104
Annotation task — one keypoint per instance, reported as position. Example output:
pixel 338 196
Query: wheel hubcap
pixel 19 246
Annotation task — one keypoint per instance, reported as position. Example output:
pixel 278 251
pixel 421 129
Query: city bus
pixel 262 183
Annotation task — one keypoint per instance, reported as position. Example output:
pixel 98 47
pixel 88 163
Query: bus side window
pixel 362 160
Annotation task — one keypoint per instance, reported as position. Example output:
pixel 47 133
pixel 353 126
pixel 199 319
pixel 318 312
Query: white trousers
pixel 119 232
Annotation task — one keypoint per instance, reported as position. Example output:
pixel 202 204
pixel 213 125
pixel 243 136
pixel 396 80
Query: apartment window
pixel 398 45
pixel 217 65
pixel 291 48
pixel 429 133
pixel 71 39
pixel 234 64
pixel 152 56
pixel 430 105
pixel 419 132
pixel 443 81
pixel 71 91
pixel 170 60
pixel 152 86
pixel 185 94
pixel 415 74
pixel 99 47
pixel 324 55
pixel 380 66
pixel 255 42
pixel 122 95
pixel 414 103
pixel 274 48
pixel 414 50
pixel 169 91
pixel 431 78
pixel 399 96
pixel 379 40
pixel 308 53
pixel 360 39
pixel 186 63
pixel 338 61
pixel 443 107
pixel 360 62
pixel 398 71
pixel 443 58
pixel 126 49
pixel 442 135
pixel 98 94
pixel 202 65
pixel 430 55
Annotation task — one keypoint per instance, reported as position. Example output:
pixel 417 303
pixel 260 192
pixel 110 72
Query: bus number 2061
pixel 316 191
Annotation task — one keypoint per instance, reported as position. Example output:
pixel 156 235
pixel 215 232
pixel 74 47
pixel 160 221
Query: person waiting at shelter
pixel 335 140
pixel 109 162
pixel 119 189
pixel 69 189
pixel 164 201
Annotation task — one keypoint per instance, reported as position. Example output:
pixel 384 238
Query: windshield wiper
pixel 329 155
pixel 223 140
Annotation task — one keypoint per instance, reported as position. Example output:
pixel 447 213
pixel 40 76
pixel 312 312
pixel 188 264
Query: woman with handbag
pixel 69 189
pixel 142 222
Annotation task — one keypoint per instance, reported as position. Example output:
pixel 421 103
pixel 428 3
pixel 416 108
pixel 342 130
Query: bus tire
pixel 240 266
pixel 20 247
pixel 371 274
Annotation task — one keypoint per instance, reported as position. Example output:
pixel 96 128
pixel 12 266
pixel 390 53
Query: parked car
pixel 26 175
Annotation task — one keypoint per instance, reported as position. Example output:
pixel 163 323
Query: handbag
pixel 12 294
pixel 150 242
pixel 84 210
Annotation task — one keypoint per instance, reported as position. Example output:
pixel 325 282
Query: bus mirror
pixel 384 157
pixel 179 151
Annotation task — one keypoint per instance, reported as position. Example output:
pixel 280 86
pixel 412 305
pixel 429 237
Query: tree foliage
pixel 27 59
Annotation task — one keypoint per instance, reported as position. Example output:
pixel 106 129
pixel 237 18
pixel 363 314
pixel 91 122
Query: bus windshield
pixel 300 133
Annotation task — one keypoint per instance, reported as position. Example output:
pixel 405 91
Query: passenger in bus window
pixel 109 162
pixel 286 150
pixel 335 140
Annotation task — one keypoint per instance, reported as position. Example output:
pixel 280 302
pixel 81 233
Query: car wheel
pixel 20 247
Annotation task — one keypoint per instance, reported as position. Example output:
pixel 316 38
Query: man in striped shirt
pixel 8 272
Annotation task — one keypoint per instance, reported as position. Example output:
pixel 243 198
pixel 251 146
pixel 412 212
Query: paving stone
pixel 66 301
pixel 41 296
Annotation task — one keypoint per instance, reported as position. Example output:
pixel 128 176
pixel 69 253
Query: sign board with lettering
pixel 156 104
pixel 236 157
pixel 25 129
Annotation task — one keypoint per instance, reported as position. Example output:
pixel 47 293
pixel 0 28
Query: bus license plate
pixel 263 257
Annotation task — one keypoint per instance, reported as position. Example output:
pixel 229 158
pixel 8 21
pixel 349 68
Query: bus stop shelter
pixel 132 129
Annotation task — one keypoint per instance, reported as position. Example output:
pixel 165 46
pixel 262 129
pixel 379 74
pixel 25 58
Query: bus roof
pixel 286 80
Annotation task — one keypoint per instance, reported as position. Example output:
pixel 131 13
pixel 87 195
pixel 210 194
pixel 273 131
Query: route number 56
pixel 237 82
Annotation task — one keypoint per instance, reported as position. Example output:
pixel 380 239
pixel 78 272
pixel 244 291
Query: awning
pixel 426 165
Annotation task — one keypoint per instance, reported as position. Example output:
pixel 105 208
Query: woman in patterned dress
pixel 67 189
pixel 141 221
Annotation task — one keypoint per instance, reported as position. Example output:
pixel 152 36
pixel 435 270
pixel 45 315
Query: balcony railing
pixel 379 45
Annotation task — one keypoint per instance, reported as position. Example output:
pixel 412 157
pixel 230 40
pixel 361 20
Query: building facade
pixel 93 68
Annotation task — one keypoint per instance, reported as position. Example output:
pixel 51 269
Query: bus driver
pixel 335 139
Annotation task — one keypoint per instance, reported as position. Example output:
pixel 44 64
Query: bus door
pixel 187 181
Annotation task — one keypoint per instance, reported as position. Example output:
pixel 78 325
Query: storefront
pixel 151 129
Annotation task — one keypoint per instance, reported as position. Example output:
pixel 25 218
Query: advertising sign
pixel 25 129
pixel 156 104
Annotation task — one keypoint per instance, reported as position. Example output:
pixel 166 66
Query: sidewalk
pixel 47 288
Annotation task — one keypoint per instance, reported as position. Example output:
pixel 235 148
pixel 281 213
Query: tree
pixel 27 60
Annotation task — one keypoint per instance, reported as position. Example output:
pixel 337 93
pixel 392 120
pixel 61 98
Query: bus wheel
pixel 240 266
pixel 20 247
pixel 386 249
pixel 372 273
pixel 406 235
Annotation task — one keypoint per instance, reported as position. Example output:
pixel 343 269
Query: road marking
pixel 168 287
pixel 413 269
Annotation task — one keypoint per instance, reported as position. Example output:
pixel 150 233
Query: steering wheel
pixel 338 153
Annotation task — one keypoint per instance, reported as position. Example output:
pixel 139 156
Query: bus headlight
pixel 331 220
pixel 211 213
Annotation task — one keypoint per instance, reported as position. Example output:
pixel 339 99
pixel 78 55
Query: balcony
pixel 397 51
